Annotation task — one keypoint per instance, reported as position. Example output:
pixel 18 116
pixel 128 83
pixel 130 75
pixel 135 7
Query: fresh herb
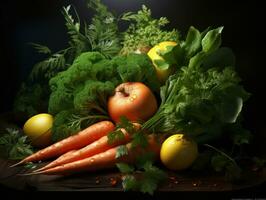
pixel 103 32
pixel 203 96
pixel 15 146
pixel 30 165
pixel 220 163
pixel 125 168
pixel 115 136
pixel 139 139
pixel 144 32
pixel 121 151
pixel 49 67
pixel 145 177
pixel 101 35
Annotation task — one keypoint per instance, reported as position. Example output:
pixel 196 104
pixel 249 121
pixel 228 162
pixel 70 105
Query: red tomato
pixel 134 100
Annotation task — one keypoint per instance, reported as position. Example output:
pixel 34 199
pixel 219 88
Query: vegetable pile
pixel 117 97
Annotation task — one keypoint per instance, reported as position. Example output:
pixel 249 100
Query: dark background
pixel 41 21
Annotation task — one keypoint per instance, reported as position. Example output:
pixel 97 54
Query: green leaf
pixel 212 40
pixel 173 55
pixel 141 160
pixel 197 60
pixel 121 151
pixel 222 162
pixel 139 140
pixel 14 132
pixel 115 136
pixel 148 186
pixel 48 67
pixel 161 64
pixel 129 182
pixel 22 139
pixel 3 140
pixel 27 150
pixel 125 168
pixel 153 172
pixel 152 177
pixel 15 146
pixel 41 48
pixel 127 16
pixel 126 124
pixel 148 180
pixel 193 42
pixel 30 165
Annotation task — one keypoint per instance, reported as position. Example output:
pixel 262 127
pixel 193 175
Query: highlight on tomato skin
pixel 133 100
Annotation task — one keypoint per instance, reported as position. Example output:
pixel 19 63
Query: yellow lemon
pixel 38 129
pixel 153 53
pixel 178 152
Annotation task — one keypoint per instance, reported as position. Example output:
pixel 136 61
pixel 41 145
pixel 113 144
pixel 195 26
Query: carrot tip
pixel 28 174
pixel 21 162
pixel 38 170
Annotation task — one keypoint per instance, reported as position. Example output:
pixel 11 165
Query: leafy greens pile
pixel 203 98
pixel 204 95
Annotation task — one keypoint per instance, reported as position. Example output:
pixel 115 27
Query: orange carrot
pixel 94 148
pixel 104 160
pixel 83 138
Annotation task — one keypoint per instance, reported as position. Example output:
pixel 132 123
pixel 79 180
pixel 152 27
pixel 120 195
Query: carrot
pixel 104 160
pixel 83 138
pixel 96 147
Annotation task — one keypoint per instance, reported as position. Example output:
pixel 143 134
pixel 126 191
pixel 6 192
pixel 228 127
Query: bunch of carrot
pixel 89 150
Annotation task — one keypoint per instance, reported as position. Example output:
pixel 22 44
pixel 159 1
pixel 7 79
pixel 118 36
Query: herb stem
pixel 222 153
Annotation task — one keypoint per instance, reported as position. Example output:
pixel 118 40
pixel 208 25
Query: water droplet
pixel 57 145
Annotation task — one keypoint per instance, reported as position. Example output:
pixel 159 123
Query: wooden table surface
pixel 110 180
